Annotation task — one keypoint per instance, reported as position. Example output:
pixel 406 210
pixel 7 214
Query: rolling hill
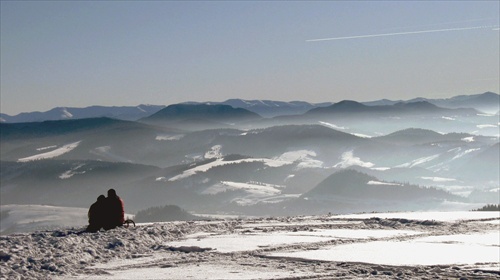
pixel 183 115
pixel 210 158
pixel 352 191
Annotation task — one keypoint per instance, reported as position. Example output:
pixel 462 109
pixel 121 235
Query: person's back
pixel 97 214
pixel 115 212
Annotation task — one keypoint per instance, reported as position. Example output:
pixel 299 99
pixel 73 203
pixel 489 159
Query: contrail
pixel 402 33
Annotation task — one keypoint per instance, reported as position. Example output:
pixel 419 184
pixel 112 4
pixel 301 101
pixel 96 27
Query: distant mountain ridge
pixel 204 116
pixel 60 127
pixel 417 107
pixel 65 113
pixel 195 111
pixel 487 102
pixel 270 108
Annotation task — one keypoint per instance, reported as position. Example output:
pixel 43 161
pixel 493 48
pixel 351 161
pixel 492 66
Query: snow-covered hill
pixel 224 169
pixel 27 218
pixel 414 245
pixel 214 158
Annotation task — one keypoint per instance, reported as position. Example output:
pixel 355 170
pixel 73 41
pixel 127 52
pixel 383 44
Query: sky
pixel 126 53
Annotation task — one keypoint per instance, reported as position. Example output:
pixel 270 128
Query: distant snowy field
pixel 28 218
pixel 409 245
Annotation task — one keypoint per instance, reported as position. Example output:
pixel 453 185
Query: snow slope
pixel 25 218
pixel 52 154
pixel 303 247
pixel 28 218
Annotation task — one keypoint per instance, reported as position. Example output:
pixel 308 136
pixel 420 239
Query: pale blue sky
pixel 77 54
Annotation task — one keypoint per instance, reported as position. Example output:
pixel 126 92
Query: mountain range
pixel 66 113
pixel 210 158
pixel 487 102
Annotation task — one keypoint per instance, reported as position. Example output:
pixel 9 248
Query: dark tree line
pixel 164 214
pixel 489 207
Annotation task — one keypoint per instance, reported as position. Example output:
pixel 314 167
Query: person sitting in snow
pixel 115 211
pixel 96 214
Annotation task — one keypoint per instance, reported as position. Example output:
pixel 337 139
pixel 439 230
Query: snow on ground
pixel 382 183
pixel 461 154
pixel 200 271
pixel 419 161
pixel 52 154
pixel 247 242
pixel 440 216
pixel 277 198
pixel 25 218
pixel 29 218
pixel 46 148
pixel 255 192
pixel 251 187
pixel 430 245
pixel 381 168
pixel 305 159
pixel 221 162
pixel 439 179
pixel 254 241
pixel 66 114
pixel 336 127
pixel 68 174
pixel 331 125
pixel 169 137
pixel 416 252
pixel 361 135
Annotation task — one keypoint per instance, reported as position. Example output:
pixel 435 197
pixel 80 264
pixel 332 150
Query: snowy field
pixel 413 245
pixel 26 218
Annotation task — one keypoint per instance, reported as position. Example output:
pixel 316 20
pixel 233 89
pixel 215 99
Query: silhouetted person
pixel 115 212
pixel 96 214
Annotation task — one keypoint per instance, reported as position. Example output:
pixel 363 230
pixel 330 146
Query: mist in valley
pixel 346 157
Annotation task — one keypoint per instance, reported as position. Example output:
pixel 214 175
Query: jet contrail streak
pixel 401 33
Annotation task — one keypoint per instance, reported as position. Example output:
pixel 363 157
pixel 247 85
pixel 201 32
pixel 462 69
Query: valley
pixel 343 158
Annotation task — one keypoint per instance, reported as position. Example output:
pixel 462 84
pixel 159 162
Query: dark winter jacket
pixel 115 212
pixel 96 214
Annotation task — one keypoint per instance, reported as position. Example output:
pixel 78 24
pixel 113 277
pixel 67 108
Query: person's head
pixel 111 193
pixel 101 198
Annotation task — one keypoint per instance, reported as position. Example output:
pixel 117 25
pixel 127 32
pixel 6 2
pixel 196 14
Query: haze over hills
pixel 356 191
pixel 64 113
pixel 217 158
pixel 417 107
pixel 270 108
pixel 201 116
pixel 487 102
